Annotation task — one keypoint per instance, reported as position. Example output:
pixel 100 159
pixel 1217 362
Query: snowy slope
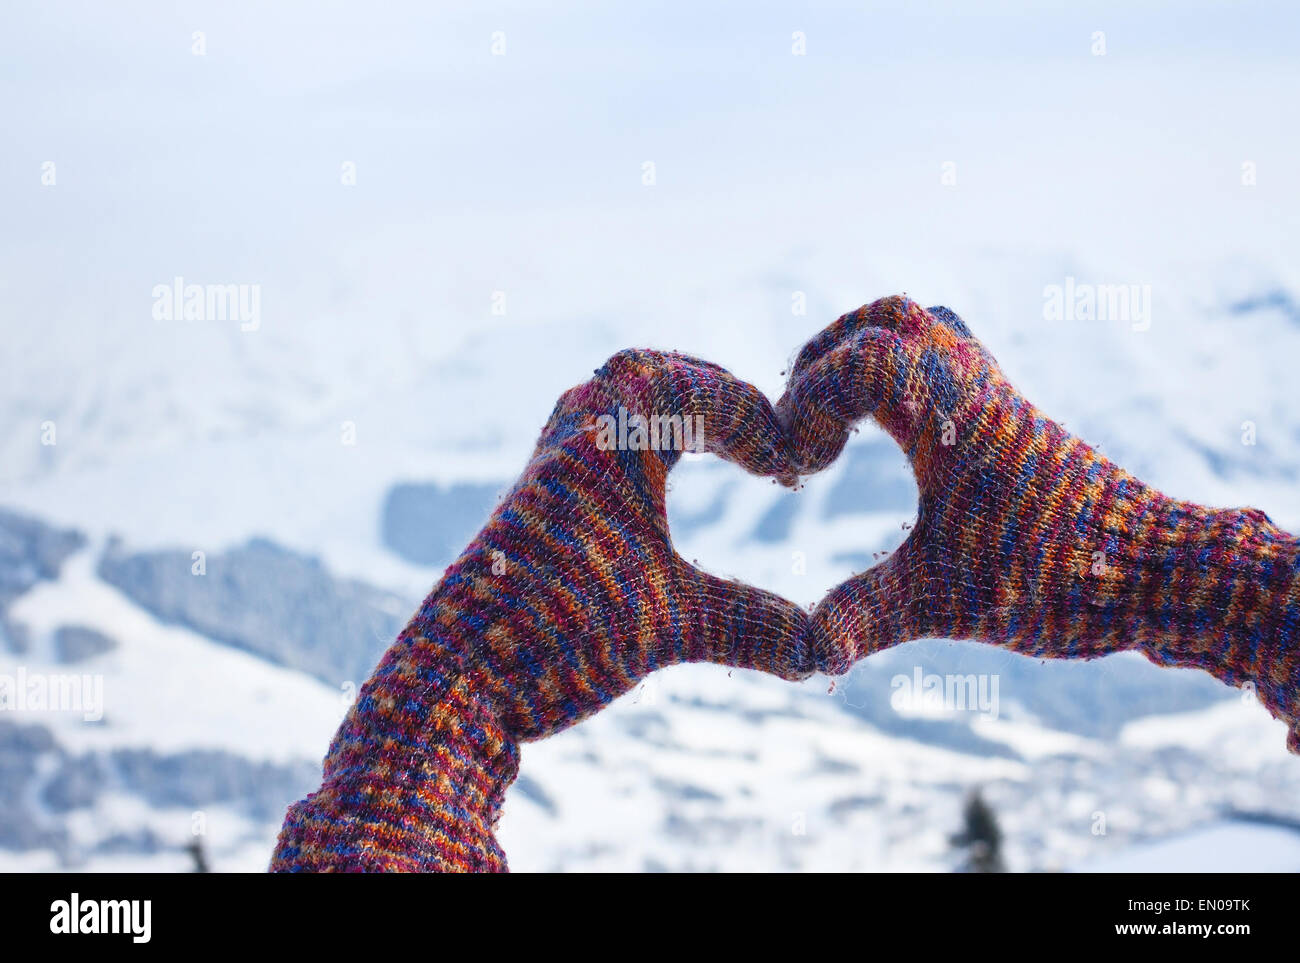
pixel 699 768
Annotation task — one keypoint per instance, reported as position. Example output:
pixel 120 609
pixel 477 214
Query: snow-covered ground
pixel 1235 847
pixel 970 160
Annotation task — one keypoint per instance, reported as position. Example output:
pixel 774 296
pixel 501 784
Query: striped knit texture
pixel 414 777
pixel 1026 537
pixel 569 596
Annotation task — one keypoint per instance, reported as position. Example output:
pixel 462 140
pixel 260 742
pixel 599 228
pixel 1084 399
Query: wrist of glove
pixel 415 775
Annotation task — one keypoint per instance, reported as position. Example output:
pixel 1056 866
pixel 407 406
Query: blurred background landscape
pixel 451 213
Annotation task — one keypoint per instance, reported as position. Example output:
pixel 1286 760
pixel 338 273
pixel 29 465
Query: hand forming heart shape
pixel 573 592
pixel 1025 536
pixel 569 596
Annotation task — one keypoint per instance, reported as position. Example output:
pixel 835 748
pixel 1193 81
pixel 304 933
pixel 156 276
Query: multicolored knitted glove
pixel 570 596
pixel 1026 536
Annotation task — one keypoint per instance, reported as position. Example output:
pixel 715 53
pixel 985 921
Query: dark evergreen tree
pixel 195 849
pixel 980 837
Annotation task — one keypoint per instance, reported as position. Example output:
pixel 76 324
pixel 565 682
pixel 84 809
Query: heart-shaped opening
pixel 803 543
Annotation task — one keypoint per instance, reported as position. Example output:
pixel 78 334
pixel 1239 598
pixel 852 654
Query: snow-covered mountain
pixel 220 691
pixel 224 523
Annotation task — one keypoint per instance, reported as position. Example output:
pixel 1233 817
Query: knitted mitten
pixel 569 596
pixel 1026 536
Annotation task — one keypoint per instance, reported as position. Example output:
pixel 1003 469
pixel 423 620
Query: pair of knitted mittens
pixel 572 593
